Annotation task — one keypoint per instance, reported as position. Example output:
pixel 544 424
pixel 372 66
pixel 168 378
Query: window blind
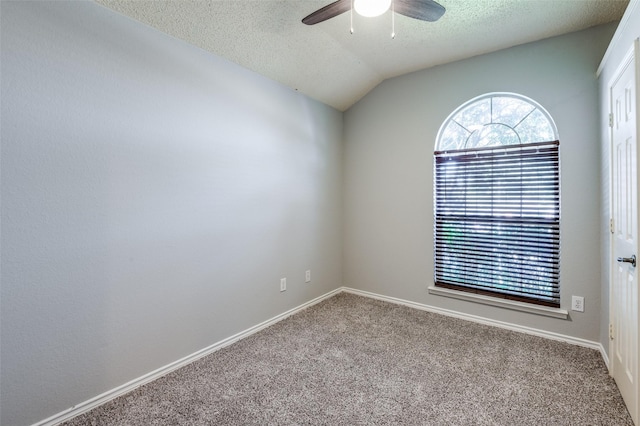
pixel 497 221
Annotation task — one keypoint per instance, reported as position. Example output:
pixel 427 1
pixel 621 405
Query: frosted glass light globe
pixel 371 8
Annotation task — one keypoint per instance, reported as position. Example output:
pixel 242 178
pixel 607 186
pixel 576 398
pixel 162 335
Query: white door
pixel 624 286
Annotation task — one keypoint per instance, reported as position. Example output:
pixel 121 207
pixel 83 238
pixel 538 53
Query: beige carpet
pixel 355 361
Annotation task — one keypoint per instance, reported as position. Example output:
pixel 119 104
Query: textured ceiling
pixel 328 63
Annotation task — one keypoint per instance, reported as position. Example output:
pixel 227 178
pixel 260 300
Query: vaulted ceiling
pixel 328 63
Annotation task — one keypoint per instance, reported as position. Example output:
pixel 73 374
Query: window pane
pixel 475 115
pixel 453 137
pixel 535 128
pixel 510 111
pixel 493 135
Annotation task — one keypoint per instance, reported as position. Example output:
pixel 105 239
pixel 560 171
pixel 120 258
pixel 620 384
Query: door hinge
pixel 611 331
pixel 610 119
pixel 612 226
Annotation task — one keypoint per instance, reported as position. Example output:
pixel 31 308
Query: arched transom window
pixel 495 120
pixel 497 201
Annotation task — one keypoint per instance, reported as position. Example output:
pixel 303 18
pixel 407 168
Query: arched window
pixel 494 120
pixel 497 200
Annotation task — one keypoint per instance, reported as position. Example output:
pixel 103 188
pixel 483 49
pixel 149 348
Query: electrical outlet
pixel 307 276
pixel 577 303
pixel 283 284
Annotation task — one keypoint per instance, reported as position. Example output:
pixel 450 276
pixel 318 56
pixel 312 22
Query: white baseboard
pixel 92 403
pixel 481 320
pixel 605 357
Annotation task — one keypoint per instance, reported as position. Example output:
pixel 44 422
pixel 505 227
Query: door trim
pixel 633 54
pixel 626 61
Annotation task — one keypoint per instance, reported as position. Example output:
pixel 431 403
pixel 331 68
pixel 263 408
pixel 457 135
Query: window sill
pixel 502 303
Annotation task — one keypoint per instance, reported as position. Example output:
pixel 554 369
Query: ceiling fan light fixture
pixel 371 8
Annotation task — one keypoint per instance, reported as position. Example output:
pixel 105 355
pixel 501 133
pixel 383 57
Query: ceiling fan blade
pixel 425 10
pixel 327 12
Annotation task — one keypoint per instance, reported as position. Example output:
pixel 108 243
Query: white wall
pixel 389 143
pixel 152 197
pixel 628 31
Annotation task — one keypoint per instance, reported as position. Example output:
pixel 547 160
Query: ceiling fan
pixel 425 10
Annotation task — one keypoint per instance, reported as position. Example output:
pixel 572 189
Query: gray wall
pixel 153 194
pixel 620 45
pixel 152 197
pixel 389 141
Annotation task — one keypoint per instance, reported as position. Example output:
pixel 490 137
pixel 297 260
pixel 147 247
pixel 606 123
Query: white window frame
pixel 549 135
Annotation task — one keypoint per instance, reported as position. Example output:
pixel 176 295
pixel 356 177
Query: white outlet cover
pixel 283 284
pixel 307 276
pixel 577 303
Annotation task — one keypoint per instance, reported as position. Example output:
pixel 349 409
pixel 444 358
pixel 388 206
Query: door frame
pixel 632 55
